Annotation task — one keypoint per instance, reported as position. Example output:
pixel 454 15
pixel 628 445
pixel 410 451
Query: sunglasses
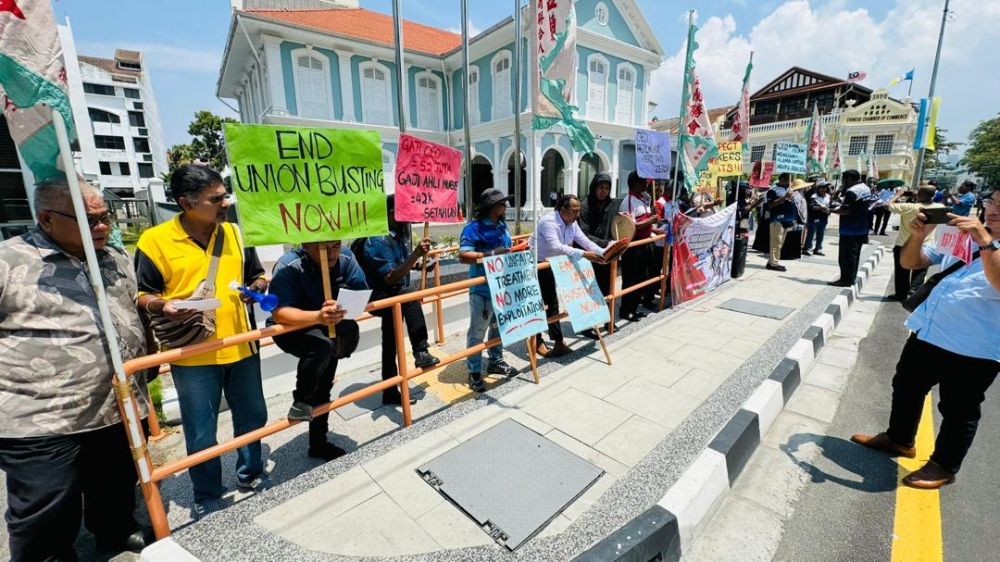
pixel 92 220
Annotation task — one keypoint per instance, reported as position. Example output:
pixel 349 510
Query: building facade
pixel 334 67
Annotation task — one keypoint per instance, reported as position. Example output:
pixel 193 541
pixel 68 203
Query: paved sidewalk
pixel 672 386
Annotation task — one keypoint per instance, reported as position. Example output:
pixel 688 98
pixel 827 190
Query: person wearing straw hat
pixel 62 446
pixel 486 236
pixel 854 214
pixel 783 216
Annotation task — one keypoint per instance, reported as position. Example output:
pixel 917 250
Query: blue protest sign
pixel 652 154
pixel 579 293
pixel 517 299
pixel 790 157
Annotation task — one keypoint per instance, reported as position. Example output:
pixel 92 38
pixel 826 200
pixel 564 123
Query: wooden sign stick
pixel 324 266
pixel 600 338
pixel 423 260
pixel 530 342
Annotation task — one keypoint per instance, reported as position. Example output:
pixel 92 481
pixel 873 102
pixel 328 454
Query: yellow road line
pixel 917 526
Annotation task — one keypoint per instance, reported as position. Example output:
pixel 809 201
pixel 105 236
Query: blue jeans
pixel 480 319
pixel 817 230
pixel 199 391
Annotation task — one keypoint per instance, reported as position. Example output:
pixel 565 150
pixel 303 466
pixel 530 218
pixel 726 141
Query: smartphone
pixel 936 215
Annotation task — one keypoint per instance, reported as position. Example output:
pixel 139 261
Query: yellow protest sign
pixel 729 162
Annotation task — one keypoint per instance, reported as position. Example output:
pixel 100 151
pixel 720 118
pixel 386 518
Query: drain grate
pixel 757 308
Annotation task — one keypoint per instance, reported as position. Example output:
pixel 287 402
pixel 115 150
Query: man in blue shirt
pixel 954 344
pixel 387 262
pixel 854 214
pixel 963 203
pixel 483 237
pixel 298 284
pixel 782 216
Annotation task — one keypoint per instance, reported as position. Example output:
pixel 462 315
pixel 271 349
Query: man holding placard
pixel 554 236
pixel 484 237
pixel 387 262
pixel 298 283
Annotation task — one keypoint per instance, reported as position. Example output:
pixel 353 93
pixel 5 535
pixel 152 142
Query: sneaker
pixel 634 316
pixel 501 368
pixel 818 253
pixel 326 451
pixel 300 411
pixel 423 359
pixel 257 485
pixel 206 508
pixel 476 382
pixel 805 252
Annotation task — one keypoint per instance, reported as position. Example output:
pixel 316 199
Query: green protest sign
pixel 300 184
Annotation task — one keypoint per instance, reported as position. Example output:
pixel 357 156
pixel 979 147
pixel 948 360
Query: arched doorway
pixel 590 164
pixel 482 176
pixel 553 176
pixel 510 179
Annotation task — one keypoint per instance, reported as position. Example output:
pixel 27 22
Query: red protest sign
pixel 426 181
pixel 761 175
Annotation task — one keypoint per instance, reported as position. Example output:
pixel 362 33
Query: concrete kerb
pixel 703 486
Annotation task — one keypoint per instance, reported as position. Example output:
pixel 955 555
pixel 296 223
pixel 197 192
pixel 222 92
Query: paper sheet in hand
pixel 354 302
pixel 198 305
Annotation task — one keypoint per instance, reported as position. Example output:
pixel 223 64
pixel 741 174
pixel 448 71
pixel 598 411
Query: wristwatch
pixel 992 246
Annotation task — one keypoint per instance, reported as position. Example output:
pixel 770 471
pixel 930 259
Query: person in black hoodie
pixel 595 221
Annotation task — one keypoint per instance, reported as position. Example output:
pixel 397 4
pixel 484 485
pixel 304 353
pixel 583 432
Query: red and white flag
pixel 856 76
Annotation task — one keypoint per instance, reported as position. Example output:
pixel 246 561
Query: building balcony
pixel 117 182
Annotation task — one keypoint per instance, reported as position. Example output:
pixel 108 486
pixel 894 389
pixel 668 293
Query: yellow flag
pixel 932 124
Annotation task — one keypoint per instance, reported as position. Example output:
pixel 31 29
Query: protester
pixel 953 345
pixel 906 281
pixel 486 236
pixel 818 216
pixel 703 204
pixel 595 218
pixel 387 262
pixel 298 283
pixel 553 236
pixel 637 262
pixel 881 213
pixel 782 216
pixel 666 209
pixel 962 203
pixel 171 261
pixel 854 214
pixel 62 445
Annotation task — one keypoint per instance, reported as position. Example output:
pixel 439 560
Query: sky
pixel 183 40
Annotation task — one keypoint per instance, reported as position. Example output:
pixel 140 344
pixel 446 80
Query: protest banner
pixel 729 162
pixel 517 299
pixel 300 184
pixel 427 179
pixel 702 258
pixel 579 293
pixel 761 174
pixel 652 154
pixel 790 157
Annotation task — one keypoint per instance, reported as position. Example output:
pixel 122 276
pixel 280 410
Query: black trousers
pixel 53 482
pixel 962 382
pixel 637 266
pixel 881 215
pixel 906 281
pixel 602 272
pixel 849 256
pixel 416 329
pixel 314 374
pixel 547 284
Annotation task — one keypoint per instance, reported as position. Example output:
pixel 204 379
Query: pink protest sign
pixel 761 175
pixel 426 181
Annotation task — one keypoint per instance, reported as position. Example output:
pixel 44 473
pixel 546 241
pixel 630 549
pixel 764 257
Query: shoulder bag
pixel 199 326
pixel 917 298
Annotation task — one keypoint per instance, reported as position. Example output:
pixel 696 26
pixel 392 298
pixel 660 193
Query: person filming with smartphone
pixel 955 323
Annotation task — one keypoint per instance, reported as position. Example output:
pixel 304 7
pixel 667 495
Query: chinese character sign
pixel 516 297
pixel 579 293
pixel 427 176
pixel 652 154
pixel 299 184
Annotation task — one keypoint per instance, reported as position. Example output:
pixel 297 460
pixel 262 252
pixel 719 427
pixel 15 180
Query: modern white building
pixel 119 144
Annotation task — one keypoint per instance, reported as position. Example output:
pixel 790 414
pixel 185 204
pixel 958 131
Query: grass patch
pixel 156 396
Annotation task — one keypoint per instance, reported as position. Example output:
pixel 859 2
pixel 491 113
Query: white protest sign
pixel 652 154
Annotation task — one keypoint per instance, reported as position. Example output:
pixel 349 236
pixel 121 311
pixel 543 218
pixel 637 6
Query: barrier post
pixel 438 304
pixel 613 295
pixel 404 388
pixel 154 424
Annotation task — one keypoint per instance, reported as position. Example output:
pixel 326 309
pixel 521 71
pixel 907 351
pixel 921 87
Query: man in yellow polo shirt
pixel 906 282
pixel 171 260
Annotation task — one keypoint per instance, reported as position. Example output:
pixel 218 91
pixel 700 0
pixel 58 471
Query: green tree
pixel 207 143
pixel 932 158
pixel 983 155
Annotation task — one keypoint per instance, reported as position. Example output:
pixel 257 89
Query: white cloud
pixel 160 56
pixel 473 29
pixel 828 38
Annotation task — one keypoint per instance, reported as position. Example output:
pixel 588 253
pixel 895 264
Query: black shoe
pixel 589 334
pixel 132 543
pixel 395 399
pixel 838 283
pixel 300 411
pixel 501 368
pixel 634 316
pixel 476 382
pixel 423 359
pixel 326 451
pixel 776 267
pixel 805 252
pixel 654 307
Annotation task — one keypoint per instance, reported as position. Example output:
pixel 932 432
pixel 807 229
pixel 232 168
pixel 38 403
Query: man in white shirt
pixel 555 236
pixel 637 262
